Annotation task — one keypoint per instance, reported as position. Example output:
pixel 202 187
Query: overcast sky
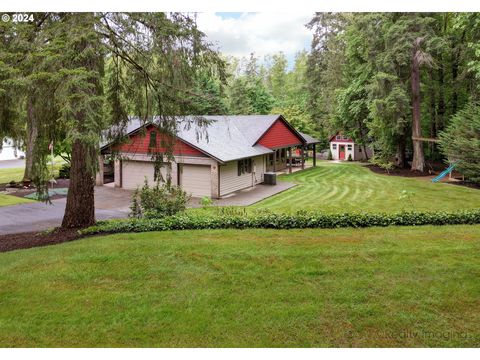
pixel 240 34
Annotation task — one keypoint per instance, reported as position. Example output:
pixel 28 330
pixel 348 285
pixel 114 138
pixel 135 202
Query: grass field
pixel 11 174
pixel 16 174
pixel 345 287
pixel 351 187
pixel 7 200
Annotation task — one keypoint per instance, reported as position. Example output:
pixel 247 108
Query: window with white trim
pixel 244 166
pixel 334 146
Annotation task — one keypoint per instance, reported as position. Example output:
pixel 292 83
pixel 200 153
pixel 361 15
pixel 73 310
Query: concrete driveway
pixel 109 203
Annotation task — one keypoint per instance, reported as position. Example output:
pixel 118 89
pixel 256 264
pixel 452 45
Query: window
pixel 344 137
pixel 244 166
pixel 349 147
pixel 153 139
pixel 359 149
pixel 334 146
pixel 339 137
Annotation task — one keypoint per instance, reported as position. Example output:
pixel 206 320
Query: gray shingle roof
pixel 225 138
pixel 309 139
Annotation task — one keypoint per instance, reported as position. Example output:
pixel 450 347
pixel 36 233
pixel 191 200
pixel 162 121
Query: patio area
pixel 247 196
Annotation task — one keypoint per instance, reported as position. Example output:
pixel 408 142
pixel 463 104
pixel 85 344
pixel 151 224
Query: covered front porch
pixel 293 158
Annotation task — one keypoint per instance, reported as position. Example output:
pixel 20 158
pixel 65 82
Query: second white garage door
pixel 195 179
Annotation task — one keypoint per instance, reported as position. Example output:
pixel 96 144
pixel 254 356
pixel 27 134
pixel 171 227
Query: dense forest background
pixel 406 84
pixel 357 78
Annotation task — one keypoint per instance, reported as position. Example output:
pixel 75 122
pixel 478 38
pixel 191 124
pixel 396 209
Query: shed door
pixel 195 179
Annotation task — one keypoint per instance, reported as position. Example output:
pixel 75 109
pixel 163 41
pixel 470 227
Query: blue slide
pixel 444 173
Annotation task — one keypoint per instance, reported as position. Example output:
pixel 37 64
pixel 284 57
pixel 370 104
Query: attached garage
pixel 195 179
pixel 134 173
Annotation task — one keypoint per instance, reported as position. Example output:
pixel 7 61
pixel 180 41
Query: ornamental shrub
pixel 158 201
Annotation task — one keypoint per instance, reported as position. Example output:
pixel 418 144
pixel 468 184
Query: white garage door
pixel 195 179
pixel 134 173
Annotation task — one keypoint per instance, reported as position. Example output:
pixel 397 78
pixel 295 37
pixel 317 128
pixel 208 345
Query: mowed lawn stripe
pixel 397 286
pixel 351 187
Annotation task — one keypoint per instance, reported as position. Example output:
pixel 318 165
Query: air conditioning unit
pixel 270 178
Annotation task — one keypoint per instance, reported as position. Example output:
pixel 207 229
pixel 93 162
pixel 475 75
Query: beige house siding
pixel 230 181
pixel 195 179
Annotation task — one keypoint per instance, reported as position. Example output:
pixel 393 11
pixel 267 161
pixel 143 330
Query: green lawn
pixel 16 174
pixel 11 174
pixel 363 287
pixel 351 187
pixel 6 200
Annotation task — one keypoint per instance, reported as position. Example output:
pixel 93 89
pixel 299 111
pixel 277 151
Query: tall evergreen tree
pixel 154 60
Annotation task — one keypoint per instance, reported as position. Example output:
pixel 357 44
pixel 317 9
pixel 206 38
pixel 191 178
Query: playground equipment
pixel 445 172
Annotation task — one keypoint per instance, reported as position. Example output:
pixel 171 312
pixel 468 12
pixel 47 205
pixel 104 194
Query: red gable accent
pixel 279 135
pixel 334 138
pixel 139 144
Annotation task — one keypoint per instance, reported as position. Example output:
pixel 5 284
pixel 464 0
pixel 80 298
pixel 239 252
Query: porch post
pixel 314 155
pixel 118 172
pixel 274 160
pixel 303 157
pixel 99 176
pixel 290 159
pixel 174 172
pixel 215 180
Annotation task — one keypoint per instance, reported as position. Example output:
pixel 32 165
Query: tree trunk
pixel 456 50
pixel 418 162
pixel 31 137
pixel 363 138
pixel 400 154
pixel 365 151
pixel 80 208
pixel 441 96
pixel 433 115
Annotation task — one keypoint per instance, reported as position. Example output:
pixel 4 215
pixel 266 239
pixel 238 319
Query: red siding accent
pixel 334 138
pixel 279 135
pixel 139 142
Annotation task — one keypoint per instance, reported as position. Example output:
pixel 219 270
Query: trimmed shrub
pixel 206 202
pixel 349 157
pixel 300 220
pixel 158 201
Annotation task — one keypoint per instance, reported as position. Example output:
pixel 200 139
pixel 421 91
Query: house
pixel 9 151
pixel 230 153
pixel 342 147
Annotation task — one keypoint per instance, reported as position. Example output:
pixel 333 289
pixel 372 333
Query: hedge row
pixel 284 221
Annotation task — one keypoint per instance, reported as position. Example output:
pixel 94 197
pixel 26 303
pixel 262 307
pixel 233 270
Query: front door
pixel 342 152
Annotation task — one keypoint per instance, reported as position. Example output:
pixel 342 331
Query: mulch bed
pixel 465 183
pixel 434 169
pixel 22 192
pixel 33 239
pixel 405 172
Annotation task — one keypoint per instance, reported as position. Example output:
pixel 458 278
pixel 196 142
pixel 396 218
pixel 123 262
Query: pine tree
pixel 153 61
